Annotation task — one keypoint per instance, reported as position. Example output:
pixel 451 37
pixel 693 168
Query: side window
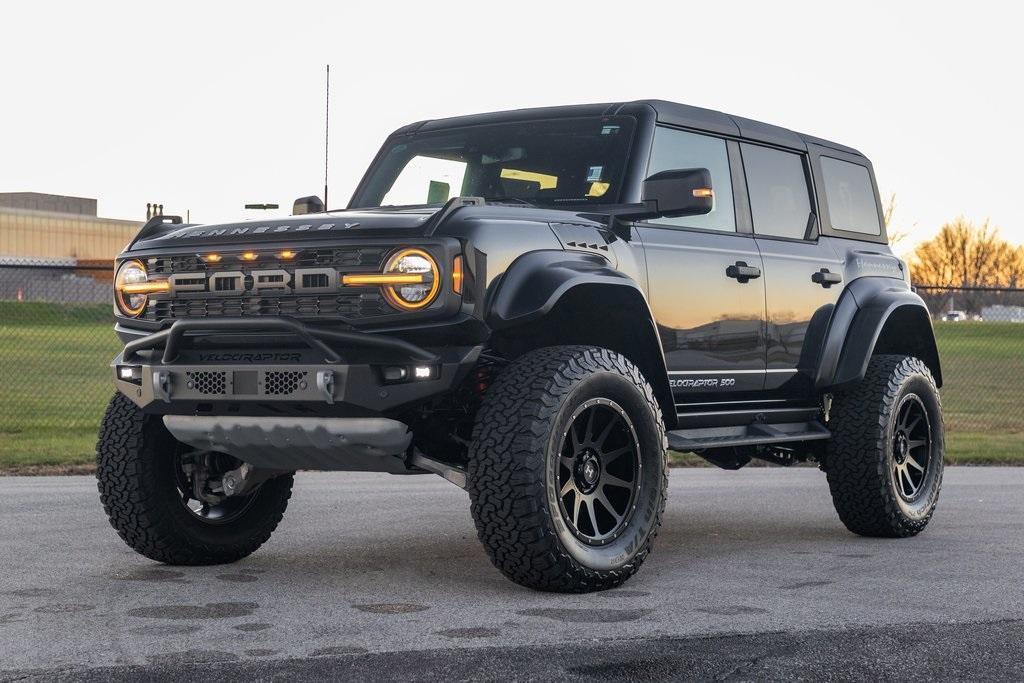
pixel 850 197
pixel 779 198
pixel 676 149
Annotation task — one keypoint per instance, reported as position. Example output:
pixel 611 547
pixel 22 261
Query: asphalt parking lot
pixel 375 576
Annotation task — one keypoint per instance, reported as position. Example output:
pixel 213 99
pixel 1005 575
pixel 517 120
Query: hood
pixel 332 224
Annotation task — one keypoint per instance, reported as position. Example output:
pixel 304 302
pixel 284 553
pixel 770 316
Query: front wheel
pixel 885 459
pixel 161 496
pixel 567 470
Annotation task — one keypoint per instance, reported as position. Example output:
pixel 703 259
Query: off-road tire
pixel 514 505
pixel 135 461
pixel 859 461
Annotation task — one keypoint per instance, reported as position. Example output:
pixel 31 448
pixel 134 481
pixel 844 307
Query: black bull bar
pixel 316 338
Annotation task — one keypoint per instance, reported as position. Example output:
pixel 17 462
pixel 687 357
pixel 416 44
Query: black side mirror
pixel 304 205
pixel 680 192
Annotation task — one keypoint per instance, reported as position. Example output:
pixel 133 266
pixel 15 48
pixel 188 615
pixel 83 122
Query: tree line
pixel 963 254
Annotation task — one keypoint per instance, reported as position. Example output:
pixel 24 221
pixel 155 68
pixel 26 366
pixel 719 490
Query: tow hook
pixel 325 383
pixel 162 385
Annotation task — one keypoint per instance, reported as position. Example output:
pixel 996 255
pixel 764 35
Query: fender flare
pixel 864 311
pixel 534 282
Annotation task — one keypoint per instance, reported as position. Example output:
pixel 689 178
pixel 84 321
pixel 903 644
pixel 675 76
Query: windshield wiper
pixel 508 200
pixel 401 207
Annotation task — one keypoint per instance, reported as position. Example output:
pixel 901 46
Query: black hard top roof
pixel 672 113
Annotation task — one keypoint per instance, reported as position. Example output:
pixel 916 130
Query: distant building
pixel 1003 314
pixel 55 203
pixel 47 226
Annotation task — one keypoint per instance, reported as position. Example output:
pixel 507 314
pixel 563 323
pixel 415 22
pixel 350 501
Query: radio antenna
pixel 327 130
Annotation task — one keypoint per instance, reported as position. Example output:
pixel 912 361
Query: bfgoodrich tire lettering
pixel 514 470
pixel 135 472
pixel 877 427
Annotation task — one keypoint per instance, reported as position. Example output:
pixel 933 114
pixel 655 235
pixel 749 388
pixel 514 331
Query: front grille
pixel 210 383
pixel 346 304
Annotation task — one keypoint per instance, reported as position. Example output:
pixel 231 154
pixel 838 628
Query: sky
pixel 205 107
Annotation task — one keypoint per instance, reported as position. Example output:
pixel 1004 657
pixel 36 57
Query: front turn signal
pixel 457 275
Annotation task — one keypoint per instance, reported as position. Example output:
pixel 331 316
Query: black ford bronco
pixel 535 305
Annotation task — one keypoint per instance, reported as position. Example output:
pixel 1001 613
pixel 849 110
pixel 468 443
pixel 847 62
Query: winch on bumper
pixel 325 406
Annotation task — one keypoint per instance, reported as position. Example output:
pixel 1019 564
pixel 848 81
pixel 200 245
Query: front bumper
pixel 193 368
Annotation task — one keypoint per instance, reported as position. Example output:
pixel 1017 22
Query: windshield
pixel 556 162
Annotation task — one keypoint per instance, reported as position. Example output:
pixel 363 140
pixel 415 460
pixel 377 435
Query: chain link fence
pixel 56 342
pixel 980 333
pixel 977 304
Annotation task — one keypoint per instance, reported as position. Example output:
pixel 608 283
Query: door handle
pixel 825 278
pixel 742 272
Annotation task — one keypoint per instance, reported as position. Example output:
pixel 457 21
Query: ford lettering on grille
pixel 235 282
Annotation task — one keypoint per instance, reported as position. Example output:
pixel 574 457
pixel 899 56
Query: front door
pixel 705 283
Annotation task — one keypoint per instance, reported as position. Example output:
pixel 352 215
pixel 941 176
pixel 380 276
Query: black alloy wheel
pixel 911 448
pixel 599 473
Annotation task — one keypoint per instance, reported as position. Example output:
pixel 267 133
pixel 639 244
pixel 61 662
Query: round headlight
pixel 130 303
pixel 410 297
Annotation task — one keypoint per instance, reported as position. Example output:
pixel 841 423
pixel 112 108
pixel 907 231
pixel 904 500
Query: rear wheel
pixel 162 497
pixel 567 471
pixel 885 460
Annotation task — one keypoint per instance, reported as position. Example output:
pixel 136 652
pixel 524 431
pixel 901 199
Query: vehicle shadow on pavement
pixel 454 559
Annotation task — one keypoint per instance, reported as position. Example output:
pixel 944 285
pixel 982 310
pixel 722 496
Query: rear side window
pixel 850 197
pixel 779 199
pixel 676 149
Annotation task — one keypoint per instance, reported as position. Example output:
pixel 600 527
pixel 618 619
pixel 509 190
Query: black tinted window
pixel 850 197
pixel 676 149
pixel 779 200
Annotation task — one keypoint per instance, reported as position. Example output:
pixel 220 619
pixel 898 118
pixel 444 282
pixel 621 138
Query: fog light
pixel 129 373
pixel 421 372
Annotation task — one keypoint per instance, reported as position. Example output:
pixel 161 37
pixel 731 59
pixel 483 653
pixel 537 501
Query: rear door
pixel 709 314
pixel 802 272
